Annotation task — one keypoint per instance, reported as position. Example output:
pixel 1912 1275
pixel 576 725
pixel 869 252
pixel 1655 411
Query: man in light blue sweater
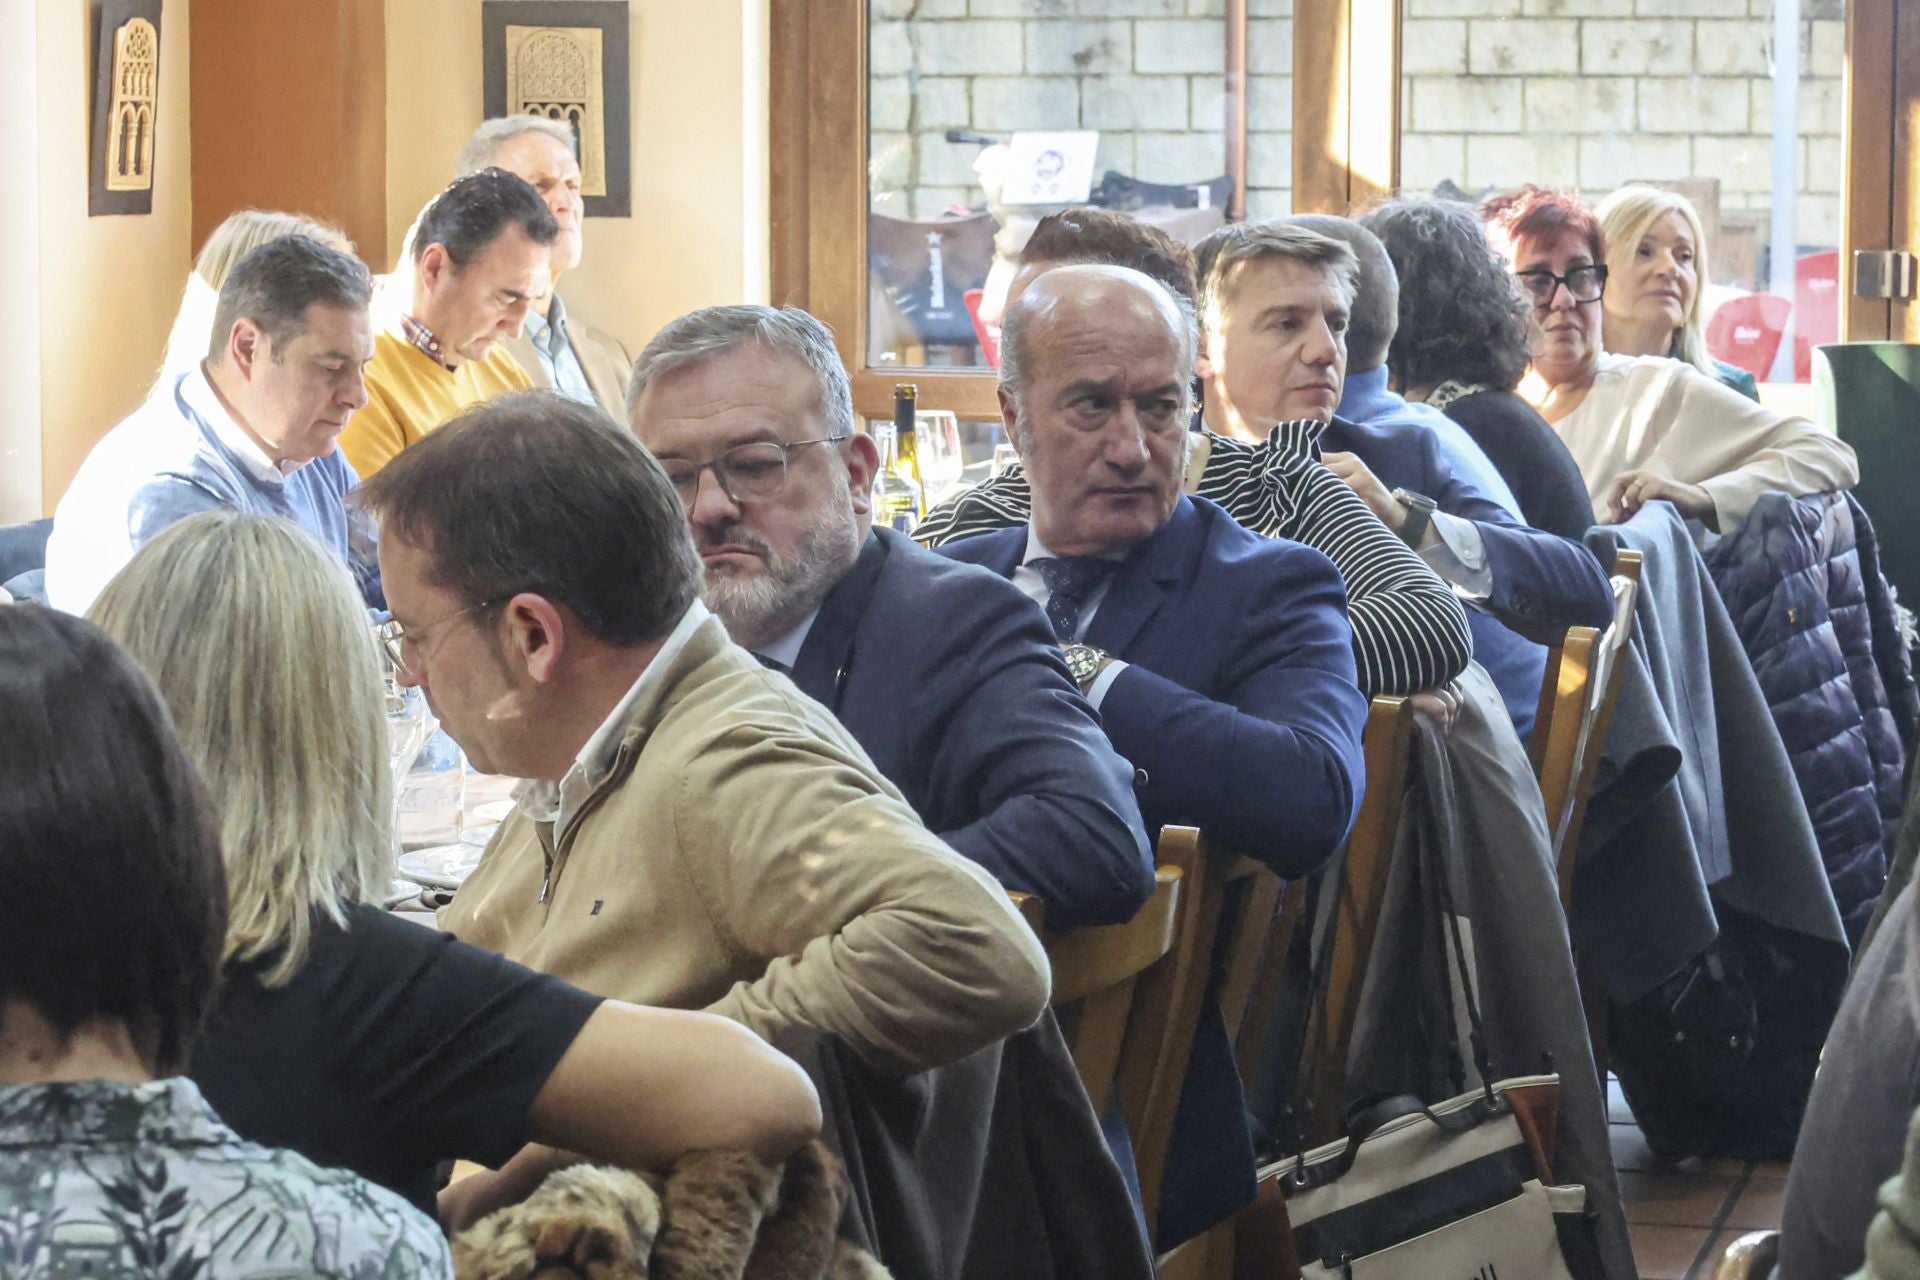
pixel 255 427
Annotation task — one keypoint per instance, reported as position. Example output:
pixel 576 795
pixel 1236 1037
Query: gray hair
pixel 275 284
pixel 1016 356
pixel 1215 257
pixel 712 331
pixel 493 134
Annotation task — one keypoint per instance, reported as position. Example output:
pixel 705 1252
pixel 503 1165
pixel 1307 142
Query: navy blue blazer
pixel 951 680
pixel 1239 707
pixel 1542 583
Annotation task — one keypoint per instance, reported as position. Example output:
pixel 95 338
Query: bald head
pixel 1090 300
pixel 1096 384
pixel 1376 298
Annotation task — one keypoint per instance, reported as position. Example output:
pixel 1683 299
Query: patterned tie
pixel 1071 580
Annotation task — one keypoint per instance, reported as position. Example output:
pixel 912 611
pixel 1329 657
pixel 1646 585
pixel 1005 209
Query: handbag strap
pixel 1367 1119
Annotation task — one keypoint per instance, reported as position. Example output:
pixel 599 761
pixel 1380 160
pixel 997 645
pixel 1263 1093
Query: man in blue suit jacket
pixel 1529 585
pixel 946 675
pixel 1221 661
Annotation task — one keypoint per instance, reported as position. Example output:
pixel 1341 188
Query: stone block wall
pixel 1145 73
pixel 1590 93
pixel 1594 93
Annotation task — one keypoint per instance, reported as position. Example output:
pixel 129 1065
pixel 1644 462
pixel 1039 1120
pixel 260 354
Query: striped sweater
pixel 1409 629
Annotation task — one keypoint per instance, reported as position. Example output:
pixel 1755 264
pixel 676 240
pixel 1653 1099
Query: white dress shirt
pixel 1034 586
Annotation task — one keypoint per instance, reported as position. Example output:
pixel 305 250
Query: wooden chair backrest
pixel 1321 1080
pixel 1100 968
pixel 1167 1000
pixel 1566 701
pixel 1569 814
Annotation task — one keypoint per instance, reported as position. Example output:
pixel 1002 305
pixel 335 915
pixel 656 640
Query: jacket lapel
pixel 828 648
pixel 1144 580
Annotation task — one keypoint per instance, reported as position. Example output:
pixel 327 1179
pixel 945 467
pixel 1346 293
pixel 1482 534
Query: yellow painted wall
pixel 108 286
pixel 20 497
pixel 699 231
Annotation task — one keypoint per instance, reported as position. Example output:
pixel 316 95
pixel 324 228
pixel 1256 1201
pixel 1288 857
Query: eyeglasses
pixel 395 637
pixel 1584 284
pixel 757 470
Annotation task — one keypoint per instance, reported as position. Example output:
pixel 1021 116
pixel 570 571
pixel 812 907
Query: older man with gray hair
pixel 949 677
pixel 1220 660
pixel 556 348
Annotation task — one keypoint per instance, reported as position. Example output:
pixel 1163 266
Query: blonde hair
pixel 237 236
pixel 258 642
pixel 1624 218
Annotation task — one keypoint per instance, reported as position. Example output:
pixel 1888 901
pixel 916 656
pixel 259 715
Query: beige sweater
pixel 1665 416
pixel 745 856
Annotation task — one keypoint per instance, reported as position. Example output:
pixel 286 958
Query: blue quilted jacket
pixel 1801 579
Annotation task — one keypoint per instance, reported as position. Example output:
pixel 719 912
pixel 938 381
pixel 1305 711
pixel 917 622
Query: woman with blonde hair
pixel 1656 279
pixel 354 1037
pixel 237 235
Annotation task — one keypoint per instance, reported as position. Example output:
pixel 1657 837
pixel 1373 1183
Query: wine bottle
pixel 896 499
pixel 906 439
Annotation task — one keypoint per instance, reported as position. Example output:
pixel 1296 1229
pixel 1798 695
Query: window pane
pixel 1594 94
pixel 952 80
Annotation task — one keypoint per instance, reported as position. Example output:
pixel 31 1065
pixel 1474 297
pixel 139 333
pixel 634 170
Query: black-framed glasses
pixel 1584 284
pixel 757 470
pixel 395 637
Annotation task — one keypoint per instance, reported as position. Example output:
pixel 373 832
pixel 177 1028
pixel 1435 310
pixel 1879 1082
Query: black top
pixel 393 1049
pixel 1530 458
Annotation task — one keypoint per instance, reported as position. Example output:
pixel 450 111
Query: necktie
pixel 1071 580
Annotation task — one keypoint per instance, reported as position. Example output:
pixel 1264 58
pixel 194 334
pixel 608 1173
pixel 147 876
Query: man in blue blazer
pixel 1221 661
pixel 1528 585
pixel 946 675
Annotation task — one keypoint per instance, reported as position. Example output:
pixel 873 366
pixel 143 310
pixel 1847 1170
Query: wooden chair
pixel 1100 968
pixel 1576 702
pixel 1320 1082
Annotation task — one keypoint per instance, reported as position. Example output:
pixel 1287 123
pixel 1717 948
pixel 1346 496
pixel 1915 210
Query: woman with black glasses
pixel 1643 427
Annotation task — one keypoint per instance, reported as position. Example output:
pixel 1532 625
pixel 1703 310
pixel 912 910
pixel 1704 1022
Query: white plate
pixel 478 836
pixel 399 891
pixel 444 866
pixel 491 811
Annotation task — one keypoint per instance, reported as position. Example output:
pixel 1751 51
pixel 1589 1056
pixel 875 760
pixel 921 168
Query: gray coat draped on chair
pixel 1801 579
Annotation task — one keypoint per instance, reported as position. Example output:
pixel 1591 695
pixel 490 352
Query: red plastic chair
pixel 988 334
pixel 1747 330
pixel 1816 316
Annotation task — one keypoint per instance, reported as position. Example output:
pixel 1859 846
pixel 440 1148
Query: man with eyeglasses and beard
pixel 947 675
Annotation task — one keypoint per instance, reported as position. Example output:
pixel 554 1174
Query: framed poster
pixel 126 101
pixel 567 59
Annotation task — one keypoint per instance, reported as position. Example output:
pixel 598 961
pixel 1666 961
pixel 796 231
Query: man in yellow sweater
pixel 480 259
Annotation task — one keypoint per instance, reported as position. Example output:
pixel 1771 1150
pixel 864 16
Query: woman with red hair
pixel 1643 427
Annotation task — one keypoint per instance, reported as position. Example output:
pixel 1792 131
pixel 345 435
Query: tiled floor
pixel 1683 1216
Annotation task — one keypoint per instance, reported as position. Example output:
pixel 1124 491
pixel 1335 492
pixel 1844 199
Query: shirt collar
pixel 200 397
pixel 422 338
pixel 546 801
pixel 548 332
pixel 94 1113
pixel 786 649
pixel 1036 549
pixel 1365 395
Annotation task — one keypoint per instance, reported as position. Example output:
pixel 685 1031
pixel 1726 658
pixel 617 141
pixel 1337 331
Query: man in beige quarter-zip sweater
pixel 693 831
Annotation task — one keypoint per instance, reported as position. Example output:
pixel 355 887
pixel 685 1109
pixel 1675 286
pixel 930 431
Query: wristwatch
pixel 1084 663
pixel 1420 509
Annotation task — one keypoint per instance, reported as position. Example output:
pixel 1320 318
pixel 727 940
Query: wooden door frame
pixel 818 164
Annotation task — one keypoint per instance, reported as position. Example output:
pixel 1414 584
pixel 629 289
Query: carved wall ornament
pixel 126 106
pixel 567 60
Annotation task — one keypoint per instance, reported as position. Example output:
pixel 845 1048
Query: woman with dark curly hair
pixel 1462 347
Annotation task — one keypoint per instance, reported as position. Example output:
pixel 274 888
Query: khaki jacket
pixel 602 357
pixel 744 856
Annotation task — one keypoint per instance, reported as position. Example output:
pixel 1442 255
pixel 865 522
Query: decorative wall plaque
pixel 567 60
pixel 126 101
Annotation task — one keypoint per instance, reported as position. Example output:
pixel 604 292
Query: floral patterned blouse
pixel 143 1182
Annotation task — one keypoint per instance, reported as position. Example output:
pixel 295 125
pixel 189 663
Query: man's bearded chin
pixel 759 605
